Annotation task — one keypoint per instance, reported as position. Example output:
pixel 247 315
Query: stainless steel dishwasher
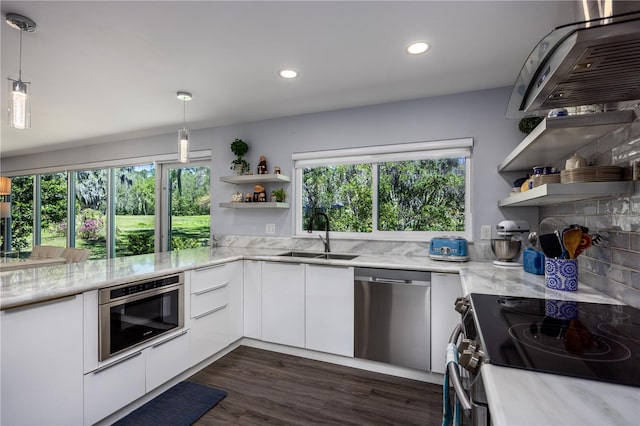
pixel 393 316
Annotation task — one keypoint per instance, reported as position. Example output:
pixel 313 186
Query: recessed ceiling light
pixel 417 47
pixel 287 73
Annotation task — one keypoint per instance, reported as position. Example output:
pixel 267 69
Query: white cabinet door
pixel 41 363
pixel 329 309
pixel 166 359
pixel 445 288
pixel 253 299
pixel 236 305
pixel 283 303
pixel 113 386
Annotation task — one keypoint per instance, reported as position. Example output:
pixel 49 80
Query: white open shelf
pixel 554 193
pixel 256 205
pixel 556 138
pixel 269 178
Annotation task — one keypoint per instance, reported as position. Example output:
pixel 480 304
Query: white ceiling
pixel 105 71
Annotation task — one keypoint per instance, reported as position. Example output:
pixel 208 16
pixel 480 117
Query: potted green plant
pixel 280 194
pixel 239 148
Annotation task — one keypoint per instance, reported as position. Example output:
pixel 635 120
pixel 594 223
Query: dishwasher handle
pixel 392 281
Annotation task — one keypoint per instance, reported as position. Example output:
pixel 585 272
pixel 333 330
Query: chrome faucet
pixel 324 240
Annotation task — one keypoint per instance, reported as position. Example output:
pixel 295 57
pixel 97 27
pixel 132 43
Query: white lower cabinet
pixel 445 288
pixel 252 313
pixel 216 308
pixel 209 333
pixel 329 309
pixel 113 386
pixel 166 359
pixel 41 363
pixel 283 303
pixel 236 304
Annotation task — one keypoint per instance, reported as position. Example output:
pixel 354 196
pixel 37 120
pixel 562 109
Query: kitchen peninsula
pixel 29 289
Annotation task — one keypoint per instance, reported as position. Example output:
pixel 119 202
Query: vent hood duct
pixel 593 61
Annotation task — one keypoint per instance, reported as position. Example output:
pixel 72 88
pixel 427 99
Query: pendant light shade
pixel 19 99
pixel 19 105
pixel 183 145
pixel 5 186
pixel 183 134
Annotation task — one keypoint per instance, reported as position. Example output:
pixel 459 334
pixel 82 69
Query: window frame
pixel 374 155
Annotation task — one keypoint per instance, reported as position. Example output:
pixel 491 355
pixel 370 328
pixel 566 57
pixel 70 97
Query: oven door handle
pixel 454 375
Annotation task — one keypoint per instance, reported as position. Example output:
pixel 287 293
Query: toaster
pixel 453 249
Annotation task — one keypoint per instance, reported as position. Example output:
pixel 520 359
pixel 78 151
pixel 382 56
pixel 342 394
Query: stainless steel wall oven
pixel 133 313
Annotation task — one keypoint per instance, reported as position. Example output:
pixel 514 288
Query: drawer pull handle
pixel 207 290
pixel 170 339
pixel 113 364
pixel 204 314
pixel 204 268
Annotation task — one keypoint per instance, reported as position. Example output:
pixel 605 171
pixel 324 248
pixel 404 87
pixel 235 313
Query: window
pixel 135 209
pixel 406 191
pixel 111 211
pixel 53 209
pixel 186 222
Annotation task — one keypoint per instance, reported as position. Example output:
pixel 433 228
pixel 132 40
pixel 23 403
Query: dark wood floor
pixel 266 387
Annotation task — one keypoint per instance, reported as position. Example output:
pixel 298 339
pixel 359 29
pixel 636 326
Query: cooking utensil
pixel 550 245
pixel 533 239
pixel 550 225
pixel 585 243
pixel 571 240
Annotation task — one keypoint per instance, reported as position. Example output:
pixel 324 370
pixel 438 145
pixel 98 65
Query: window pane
pixel 190 207
pixel 22 214
pixel 343 192
pixel 53 199
pixel 423 195
pixel 91 208
pixel 135 209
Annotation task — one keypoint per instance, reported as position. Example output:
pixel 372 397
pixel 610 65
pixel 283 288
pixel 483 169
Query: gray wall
pixel 614 266
pixel 479 115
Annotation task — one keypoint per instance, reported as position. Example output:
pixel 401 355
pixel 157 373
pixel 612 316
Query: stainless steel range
pixel 591 341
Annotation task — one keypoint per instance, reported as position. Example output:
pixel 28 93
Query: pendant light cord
pixel 184 114
pixel 20 58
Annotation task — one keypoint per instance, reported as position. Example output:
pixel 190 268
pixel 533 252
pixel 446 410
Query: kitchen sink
pixel 337 256
pixel 316 255
pixel 301 254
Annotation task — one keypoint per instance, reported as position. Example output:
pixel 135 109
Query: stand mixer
pixel 507 248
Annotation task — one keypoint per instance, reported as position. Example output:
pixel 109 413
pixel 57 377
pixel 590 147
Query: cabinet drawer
pixel 166 359
pixel 211 276
pixel 112 387
pixel 209 334
pixel 209 298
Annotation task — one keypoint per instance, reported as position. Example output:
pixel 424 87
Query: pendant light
pixel 183 134
pixel 19 100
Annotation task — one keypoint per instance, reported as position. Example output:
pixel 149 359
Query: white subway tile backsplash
pixel 614 266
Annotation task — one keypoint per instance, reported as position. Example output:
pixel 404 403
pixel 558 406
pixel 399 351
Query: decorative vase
pixel 238 169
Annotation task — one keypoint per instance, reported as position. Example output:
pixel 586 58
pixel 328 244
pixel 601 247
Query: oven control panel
pixel 114 293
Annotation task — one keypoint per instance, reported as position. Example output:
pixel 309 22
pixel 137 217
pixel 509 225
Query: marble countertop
pixel 516 397
pixel 33 285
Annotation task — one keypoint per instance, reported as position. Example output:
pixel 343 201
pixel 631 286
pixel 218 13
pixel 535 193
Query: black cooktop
pixel 588 340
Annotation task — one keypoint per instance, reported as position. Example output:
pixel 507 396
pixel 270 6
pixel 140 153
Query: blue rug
pixel 182 404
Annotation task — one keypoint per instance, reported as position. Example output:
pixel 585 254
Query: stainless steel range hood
pixel 593 61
